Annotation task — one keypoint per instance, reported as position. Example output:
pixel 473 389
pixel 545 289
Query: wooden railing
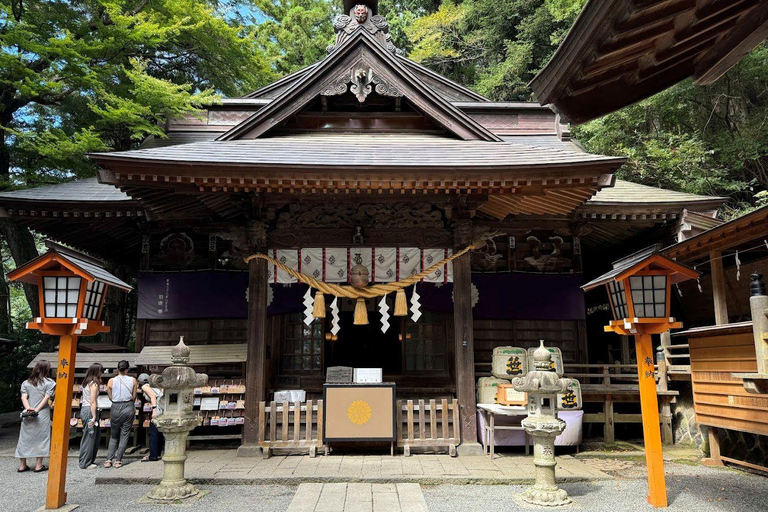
pixel 296 427
pixel 611 383
pixel 432 424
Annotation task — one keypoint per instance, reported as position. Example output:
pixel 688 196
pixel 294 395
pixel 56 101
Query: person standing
pixel 89 415
pixel 152 395
pixel 122 391
pixel 35 435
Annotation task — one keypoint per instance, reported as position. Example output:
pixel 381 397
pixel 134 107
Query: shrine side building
pixel 366 157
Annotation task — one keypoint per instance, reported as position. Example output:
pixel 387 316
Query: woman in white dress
pixel 35 435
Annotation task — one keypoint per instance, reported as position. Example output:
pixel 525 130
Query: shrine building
pixel 364 157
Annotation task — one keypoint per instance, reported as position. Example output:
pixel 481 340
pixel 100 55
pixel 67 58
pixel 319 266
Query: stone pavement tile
pixel 383 489
pixel 454 468
pixel 386 501
pixel 476 462
pixel 359 492
pixel 306 498
pixel 411 498
pixel 332 498
pixel 290 462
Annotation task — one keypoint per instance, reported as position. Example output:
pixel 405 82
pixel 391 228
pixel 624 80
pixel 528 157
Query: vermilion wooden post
pixel 62 411
pixel 649 404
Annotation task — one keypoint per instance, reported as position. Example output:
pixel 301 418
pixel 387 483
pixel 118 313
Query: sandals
pixel 42 469
pixel 23 470
pixel 108 464
pixel 117 464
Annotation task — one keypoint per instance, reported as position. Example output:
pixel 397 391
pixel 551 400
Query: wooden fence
pixel 296 427
pixel 429 424
pixel 612 383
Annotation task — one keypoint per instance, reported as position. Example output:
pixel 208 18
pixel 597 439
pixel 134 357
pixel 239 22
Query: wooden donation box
pixel 359 412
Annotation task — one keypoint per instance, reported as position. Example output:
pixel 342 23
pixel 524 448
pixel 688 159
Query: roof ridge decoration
pixel 361 17
pixel 361 60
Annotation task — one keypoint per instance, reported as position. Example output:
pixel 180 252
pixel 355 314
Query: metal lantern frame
pixel 72 290
pixel 638 310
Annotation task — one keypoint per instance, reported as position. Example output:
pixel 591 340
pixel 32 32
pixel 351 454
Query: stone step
pixel 358 497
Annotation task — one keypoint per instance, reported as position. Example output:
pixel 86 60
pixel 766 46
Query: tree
pixel 87 75
pixel 295 33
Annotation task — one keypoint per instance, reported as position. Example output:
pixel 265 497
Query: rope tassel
pixel 401 304
pixel 318 311
pixel 361 313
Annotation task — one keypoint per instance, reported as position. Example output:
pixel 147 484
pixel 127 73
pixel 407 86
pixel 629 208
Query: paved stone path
pixel 358 497
pixel 223 467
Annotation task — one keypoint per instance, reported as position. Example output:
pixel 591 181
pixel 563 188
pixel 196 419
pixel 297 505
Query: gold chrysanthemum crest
pixel 359 412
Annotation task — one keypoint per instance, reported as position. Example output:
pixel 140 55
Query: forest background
pixel 93 75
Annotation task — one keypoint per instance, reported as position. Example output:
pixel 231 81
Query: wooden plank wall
pixel 196 332
pixel 489 334
pixel 720 399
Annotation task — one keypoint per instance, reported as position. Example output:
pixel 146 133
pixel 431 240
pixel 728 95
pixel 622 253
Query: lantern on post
pixel 639 291
pixel 72 288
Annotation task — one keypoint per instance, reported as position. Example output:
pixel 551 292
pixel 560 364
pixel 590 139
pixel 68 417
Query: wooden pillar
pixel 718 287
pixel 465 355
pixel 649 404
pixel 255 382
pixel 56 495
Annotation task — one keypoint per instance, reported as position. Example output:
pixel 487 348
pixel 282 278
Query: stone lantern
pixel 176 421
pixel 543 384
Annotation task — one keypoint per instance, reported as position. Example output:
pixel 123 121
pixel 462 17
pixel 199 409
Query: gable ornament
pixel 361 17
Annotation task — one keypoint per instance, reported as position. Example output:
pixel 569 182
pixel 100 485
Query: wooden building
pixel 622 51
pixel 367 155
pixel 723 338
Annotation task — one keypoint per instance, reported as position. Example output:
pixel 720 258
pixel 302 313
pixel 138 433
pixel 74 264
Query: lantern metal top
pixel 648 258
pixel 58 256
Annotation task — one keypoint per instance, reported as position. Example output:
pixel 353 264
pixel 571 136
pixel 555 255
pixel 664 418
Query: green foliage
pixel 97 74
pixel 706 140
pixel 496 47
pixel 295 32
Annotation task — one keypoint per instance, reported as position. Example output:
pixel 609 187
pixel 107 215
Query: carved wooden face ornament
pixel 361 13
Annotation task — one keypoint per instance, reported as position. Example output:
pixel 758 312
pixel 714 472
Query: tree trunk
pixel 22 246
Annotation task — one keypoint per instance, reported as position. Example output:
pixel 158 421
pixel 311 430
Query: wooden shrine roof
pixel 198 355
pixel 356 153
pixel 83 360
pixel 94 217
pixel 622 51
pixel 747 229
pixel 643 198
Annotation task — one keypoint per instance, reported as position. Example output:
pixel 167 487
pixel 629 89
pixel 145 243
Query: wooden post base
pixel 64 508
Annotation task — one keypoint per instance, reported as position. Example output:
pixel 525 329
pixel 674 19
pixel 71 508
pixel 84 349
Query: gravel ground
pixel 689 488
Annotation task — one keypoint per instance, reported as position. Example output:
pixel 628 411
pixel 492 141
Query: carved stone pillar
pixel 464 342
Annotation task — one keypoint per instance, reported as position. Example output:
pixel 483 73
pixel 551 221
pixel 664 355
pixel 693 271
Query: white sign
pixel 209 403
pixel 368 375
pixel 291 395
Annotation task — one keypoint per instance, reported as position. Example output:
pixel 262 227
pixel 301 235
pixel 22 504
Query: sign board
pixel 509 362
pixel 359 412
pixel 507 395
pixel 291 395
pixel 339 374
pixel 557 360
pixel 209 403
pixel 368 375
pixel 570 400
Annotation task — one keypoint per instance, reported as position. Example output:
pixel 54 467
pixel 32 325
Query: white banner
pixel 385 264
